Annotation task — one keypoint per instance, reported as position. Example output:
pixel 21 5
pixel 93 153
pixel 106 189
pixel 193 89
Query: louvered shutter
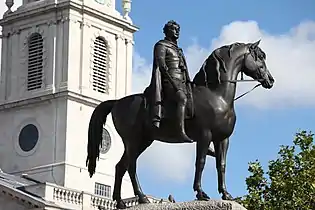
pixel 100 66
pixel 35 62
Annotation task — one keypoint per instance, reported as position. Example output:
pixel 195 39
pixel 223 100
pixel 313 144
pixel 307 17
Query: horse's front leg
pixel 202 149
pixel 221 149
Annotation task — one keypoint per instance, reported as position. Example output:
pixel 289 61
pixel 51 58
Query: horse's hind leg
pixel 221 149
pixel 120 171
pixel 132 170
pixel 133 149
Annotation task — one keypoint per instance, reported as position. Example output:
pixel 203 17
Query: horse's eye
pixel 261 57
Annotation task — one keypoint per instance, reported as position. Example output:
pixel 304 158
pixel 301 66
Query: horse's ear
pixel 255 45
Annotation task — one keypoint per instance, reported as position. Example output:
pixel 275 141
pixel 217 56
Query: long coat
pixel 155 86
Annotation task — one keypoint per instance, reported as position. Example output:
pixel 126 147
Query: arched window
pixel 35 62
pixel 100 66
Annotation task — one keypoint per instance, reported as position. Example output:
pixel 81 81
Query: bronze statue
pixel 170 81
pixel 213 118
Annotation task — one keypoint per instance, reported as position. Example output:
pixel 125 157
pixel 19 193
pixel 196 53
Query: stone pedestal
pixel 192 205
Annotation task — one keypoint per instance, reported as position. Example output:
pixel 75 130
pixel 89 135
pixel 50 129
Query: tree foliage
pixel 289 182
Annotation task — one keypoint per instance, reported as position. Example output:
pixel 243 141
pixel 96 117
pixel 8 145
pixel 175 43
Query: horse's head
pixel 220 65
pixel 255 65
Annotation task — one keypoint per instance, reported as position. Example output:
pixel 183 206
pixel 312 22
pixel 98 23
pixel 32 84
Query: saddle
pixel 168 107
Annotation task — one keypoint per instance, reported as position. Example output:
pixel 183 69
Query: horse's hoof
pixel 227 196
pixel 143 199
pixel 121 205
pixel 202 196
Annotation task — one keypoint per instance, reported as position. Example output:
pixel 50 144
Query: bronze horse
pixel 214 118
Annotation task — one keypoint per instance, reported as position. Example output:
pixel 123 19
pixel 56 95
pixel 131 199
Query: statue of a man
pixel 170 79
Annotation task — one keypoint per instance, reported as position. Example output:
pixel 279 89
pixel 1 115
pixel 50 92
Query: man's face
pixel 173 31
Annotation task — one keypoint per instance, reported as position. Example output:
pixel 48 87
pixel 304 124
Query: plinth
pixel 192 205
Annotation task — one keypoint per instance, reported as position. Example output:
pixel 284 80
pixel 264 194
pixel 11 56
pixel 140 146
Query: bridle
pixel 234 81
pixel 245 80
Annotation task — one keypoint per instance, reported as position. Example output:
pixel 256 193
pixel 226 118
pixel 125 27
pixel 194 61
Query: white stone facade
pixel 61 108
pixel 54 197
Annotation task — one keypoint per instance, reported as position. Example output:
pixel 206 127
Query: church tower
pixel 59 59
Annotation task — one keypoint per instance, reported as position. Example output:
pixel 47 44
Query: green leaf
pixel 289 182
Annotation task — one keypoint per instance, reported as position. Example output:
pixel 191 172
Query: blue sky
pixel 265 119
pixel 205 18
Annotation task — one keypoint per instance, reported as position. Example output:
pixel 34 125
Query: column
pixel 4 67
pixel 128 75
pixel 16 88
pixel 120 65
pixel 63 52
pixel 51 48
pixel 8 68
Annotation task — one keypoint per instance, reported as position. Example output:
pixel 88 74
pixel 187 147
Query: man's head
pixel 171 30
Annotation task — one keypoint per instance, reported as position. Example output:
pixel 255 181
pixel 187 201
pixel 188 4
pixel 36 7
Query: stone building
pixel 59 59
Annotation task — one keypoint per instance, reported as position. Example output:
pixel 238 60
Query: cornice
pixel 47 97
pixel 27 13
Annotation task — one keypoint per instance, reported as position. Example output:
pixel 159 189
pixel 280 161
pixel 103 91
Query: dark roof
pixel 18 184
pixel 14 181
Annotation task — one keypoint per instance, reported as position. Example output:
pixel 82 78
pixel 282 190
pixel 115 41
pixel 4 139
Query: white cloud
pixel 169 162
pixel 141 78
pixel 290 58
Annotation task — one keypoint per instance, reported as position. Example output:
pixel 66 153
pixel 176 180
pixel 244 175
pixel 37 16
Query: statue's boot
pixel 181 134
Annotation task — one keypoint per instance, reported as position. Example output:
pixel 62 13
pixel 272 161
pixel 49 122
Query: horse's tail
pixel 98 119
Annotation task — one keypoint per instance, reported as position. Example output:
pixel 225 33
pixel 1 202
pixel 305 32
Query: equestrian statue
pixel 174 109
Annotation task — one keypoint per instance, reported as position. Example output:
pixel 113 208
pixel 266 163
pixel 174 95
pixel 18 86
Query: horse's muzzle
pixel 268 80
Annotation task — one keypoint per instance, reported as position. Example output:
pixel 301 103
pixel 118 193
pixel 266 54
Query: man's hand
pixel 180 94
pixel 190 82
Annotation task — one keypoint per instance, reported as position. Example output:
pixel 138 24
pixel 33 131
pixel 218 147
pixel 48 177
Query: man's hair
pixel 169 24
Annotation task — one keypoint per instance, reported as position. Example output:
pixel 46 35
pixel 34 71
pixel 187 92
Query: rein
pixel 240 96
pixel 241 80
pixel 244 80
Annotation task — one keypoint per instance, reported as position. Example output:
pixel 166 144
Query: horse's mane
pixel 212 67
